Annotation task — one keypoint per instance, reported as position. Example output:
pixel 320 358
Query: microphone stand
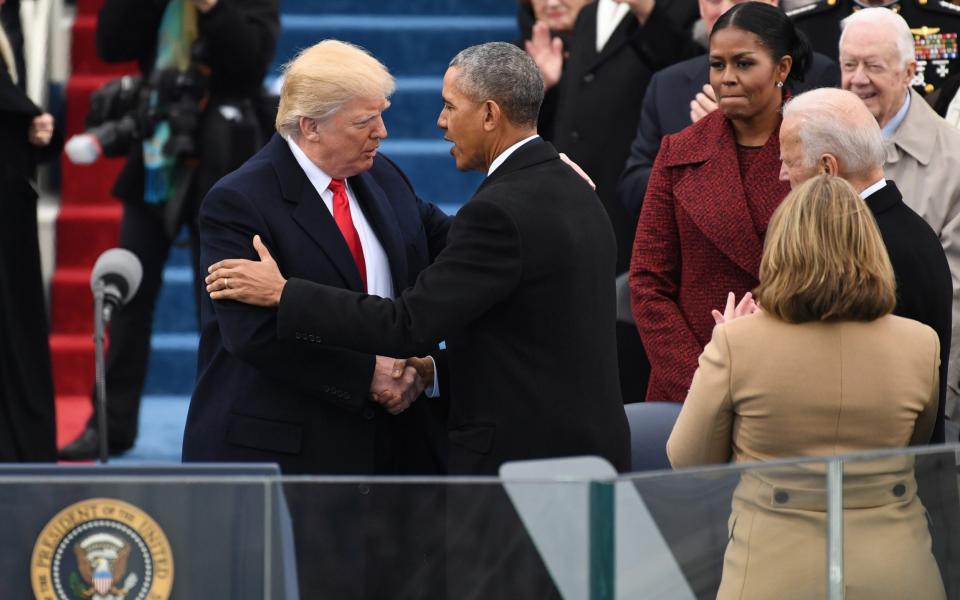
pixel 99 324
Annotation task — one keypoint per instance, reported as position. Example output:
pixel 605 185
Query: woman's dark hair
pixel 775 30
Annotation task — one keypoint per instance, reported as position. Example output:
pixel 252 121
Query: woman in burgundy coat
pixel 712 191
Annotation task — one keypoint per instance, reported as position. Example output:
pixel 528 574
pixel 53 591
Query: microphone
pixel 83 149
pixel 116 274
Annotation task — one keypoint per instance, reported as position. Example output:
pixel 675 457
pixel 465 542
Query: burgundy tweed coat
pixel 696 240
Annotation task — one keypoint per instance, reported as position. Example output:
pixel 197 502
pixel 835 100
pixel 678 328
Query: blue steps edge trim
pixel 403 83
pixel 160 439
pixel 396 22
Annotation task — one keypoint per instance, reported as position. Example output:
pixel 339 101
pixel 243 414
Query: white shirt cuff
pixel 434 390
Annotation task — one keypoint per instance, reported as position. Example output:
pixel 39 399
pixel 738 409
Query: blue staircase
pixel 415 39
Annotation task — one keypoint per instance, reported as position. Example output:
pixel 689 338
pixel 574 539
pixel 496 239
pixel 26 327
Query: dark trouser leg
pixel 142 233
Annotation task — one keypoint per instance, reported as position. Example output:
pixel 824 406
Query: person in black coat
pixel 523 295
pixel 523 291
pixel 261 399
pixel 324 410
pixel 27 137
pixel 595 109
pixel 830 130
pixel 236 42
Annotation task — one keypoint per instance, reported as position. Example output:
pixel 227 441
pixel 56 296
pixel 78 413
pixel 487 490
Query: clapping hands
pixel 734 309
pixel 547 52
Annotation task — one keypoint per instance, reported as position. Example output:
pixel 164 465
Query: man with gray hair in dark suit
pixel 832 131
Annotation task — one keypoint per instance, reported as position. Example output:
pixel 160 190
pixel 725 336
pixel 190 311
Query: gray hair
pixel 883 17
pixel 833 121
pixel 505 74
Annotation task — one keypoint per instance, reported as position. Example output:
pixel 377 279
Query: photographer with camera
pixel 27 137
pixel 189 119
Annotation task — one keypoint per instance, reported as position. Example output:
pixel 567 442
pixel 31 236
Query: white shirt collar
pixel 379 276
pixel 315 174
pixel 506 154
pixel 609 15
pixel 873 189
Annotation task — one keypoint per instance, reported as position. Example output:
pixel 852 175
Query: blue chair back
pixel 650 426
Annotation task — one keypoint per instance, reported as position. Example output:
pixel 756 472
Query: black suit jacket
pixel 599 97
pixel 666 110
pixel 261 399
pixel 27 424
pixel 523 294
pixel 924 285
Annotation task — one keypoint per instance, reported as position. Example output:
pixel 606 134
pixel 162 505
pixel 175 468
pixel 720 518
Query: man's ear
pixel 309 128
pixel 828 165
pixel 491 115
pixel 911 70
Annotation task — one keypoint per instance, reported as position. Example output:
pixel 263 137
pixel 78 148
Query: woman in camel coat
pixel 824 369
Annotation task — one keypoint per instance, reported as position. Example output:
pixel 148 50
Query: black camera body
pixel 126 110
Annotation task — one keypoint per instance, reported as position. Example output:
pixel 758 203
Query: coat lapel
pixel 311 214
pixel 533 152
pixel 383 220
pixel 721 213
pixel 619 38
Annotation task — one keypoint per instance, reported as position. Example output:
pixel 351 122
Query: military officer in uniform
pixel 934 24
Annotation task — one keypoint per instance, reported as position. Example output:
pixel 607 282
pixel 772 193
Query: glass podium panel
pixel 884 524
pixel 901 524
pixel 144 533
pixel 723 532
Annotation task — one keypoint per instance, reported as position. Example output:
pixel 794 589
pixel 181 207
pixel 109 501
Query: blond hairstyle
pixel 323 77
pixel 824 259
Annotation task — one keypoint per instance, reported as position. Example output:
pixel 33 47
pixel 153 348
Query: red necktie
pixel 341 214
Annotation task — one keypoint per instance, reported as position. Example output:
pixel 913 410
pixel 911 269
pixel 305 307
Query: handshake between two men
pixel 396 382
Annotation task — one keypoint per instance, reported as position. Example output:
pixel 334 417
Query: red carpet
pixel 88 224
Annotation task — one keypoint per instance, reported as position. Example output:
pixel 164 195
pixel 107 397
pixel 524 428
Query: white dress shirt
pixel 506 154
pixel 609 15
pixel 873 188
pixel 379 278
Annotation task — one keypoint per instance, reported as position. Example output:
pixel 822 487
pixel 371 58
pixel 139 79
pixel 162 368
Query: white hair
pixel 833 121
pixel 883 17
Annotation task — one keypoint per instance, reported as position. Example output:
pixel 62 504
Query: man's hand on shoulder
pixel 249 281
pixel 578 170
pixel 395 384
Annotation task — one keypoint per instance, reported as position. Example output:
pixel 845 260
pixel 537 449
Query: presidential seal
pixel 102 549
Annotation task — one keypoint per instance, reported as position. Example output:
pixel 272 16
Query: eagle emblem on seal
pixel 102 562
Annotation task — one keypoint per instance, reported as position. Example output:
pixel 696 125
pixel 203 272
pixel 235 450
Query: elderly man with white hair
pixel 922 151
pixel 831 131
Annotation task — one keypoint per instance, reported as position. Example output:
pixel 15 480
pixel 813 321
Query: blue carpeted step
pixel 432 170
pixel 437 7
pixel 173 363
pixel 420 46
pixel 161 431
pixel 176 310
pixel 414 108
